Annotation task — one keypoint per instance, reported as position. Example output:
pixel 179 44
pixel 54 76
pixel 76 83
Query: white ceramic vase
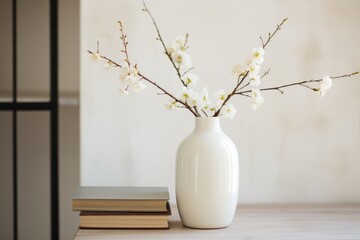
pixel 207 176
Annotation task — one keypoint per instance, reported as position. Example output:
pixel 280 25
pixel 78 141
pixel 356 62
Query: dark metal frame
pixel 51 106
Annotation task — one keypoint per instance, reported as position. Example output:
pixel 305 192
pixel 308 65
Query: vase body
pixel 207 176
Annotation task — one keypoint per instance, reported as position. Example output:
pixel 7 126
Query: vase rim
pixel 206 123
pixel 206 117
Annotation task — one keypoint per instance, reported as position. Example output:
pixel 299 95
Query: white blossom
pixel 138 86
pixel 126 70
pixel 190 79
pixel 95 57
pixel 255 81
pixel 258 55
pixel 128 75
pixel 124 91
pixel 169 50
pixel 203 101
pixel 200 100
pixel 254 70
pixel 220 96
pixel 186 94
pixel 182 59
pixel 325 85
pixel 256 99
pixel 177 53
pixel 252 65
pixel 240 69
pixel 195 100
pixel 130 79
pixel 170 105
pixel 186 63
pixel 179 43
pixel 177 56
pixel 228 111
pixel 107 64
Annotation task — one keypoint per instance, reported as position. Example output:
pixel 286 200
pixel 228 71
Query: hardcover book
pixel 126 199
pixel 96 219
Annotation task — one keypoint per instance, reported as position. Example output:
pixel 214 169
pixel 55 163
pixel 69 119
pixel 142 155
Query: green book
pixel 126 199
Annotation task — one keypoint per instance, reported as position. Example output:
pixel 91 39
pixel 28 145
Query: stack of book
pixel 122 207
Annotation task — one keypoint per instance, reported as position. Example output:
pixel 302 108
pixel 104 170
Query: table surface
pixel 275 221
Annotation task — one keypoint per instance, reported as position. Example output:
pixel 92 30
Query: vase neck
pixel 205 124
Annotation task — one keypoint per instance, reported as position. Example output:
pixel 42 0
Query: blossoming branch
pixel 247 77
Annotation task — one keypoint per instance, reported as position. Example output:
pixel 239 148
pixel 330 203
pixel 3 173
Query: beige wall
pixel 297 147
pixel 33 127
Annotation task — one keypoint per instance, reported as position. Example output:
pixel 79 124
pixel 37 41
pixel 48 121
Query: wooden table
pixel 278 222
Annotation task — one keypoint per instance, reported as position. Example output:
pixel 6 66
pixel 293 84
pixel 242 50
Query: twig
pixel 169 94
pixel 142 77
pixel 197 112
pixel 271 35
pixel 187 71
pixel 245 95
pixel 238 79
pixel 204 112
pixel 239 82
pixel 186 40
pixel 265 73
pixel 163 43
pixel 217 112
pixel 125 43
pixel 106 58
pixel 302 83
pixel 245 85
